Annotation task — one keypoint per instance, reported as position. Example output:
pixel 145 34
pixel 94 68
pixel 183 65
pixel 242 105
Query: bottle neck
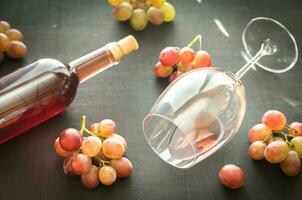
pixel 93 63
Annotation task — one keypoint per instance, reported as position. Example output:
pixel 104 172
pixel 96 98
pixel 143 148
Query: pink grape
pixel 174 76
pixel 202 59
pixel 275 139
pixel 94 128
pixel 231 176
pixel 256 150
pixel 107 128
pixel 59 150
pixel 122 139
pixel 70 139
pixel 67 166
pixel 122 166
pixel 187 55
pixel 91 179
pixel 291 166
pixel 298 128
pixel 107 175
pixel 169 56
pixel 113 148
pixel 81 164
pixel 103 157
pixel 259 132
pixel 91 146
pixel 162 71
pixel 276 151
pixel 274 120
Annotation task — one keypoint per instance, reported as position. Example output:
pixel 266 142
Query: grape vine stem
pixel 197 38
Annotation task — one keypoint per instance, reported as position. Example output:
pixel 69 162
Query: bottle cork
pixel 123 47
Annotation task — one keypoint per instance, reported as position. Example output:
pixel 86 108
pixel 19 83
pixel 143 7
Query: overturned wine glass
pixel 203 109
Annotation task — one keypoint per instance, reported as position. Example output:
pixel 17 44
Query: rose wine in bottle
pixel 46 87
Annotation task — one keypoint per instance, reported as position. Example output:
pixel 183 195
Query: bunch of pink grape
pixel 140 12
pixel 96 155
pixel 173 62
pixel 277 142
pixel 11 42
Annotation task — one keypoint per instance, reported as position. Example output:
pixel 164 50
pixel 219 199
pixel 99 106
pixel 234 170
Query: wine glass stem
pixel 251 62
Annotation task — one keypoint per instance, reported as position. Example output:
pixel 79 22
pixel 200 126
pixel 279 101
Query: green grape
pixel 297 142
pixel 115 2
pixel 291 166
pixel 123 12
pixel 139 19
pixel 169 11
pixel 155 15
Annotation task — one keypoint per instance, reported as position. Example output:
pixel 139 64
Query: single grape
pixel 274 120
pixel 59 150
pixel 115 2
pixel 113 148
pixel 231 176
pixel 91 146
pixel 202 59
pixel 103 157
pixel 4 42
pixel 162 71
pixel 256 150
pixel 174 76
pixel 169 56
pixel 259 132
pixel 107 128
pixel 139 20
pixel 14 34
pixel 184 67
pixel 122 166
pixel 16 49
pixel 91 179
pixel 187 55
pixel 67 166
pixel 291 166
pixel 94 128
pixel 157 3
pixel 81 164
pixel 70 139
pixel 107 175
pixel 1 57
pixel 275 139
pixel 298 128
pixel 4 26
pixel 276 151
pixel 120 138
pixel 169 11
pixel 123 12
pixel 155 15
pixel 297 143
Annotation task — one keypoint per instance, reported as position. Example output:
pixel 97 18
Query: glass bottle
pixel 43 89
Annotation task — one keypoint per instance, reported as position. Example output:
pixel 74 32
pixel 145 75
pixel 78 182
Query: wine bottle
pixel 43 89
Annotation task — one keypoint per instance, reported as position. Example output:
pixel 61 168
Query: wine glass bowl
pixel 195 116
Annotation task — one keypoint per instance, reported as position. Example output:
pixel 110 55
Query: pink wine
pixel 43 89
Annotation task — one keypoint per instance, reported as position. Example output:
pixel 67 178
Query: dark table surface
pixel 64 29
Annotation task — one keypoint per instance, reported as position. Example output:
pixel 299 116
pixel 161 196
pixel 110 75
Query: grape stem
pixel 103 162
pixel 83 127
pixel 197 38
